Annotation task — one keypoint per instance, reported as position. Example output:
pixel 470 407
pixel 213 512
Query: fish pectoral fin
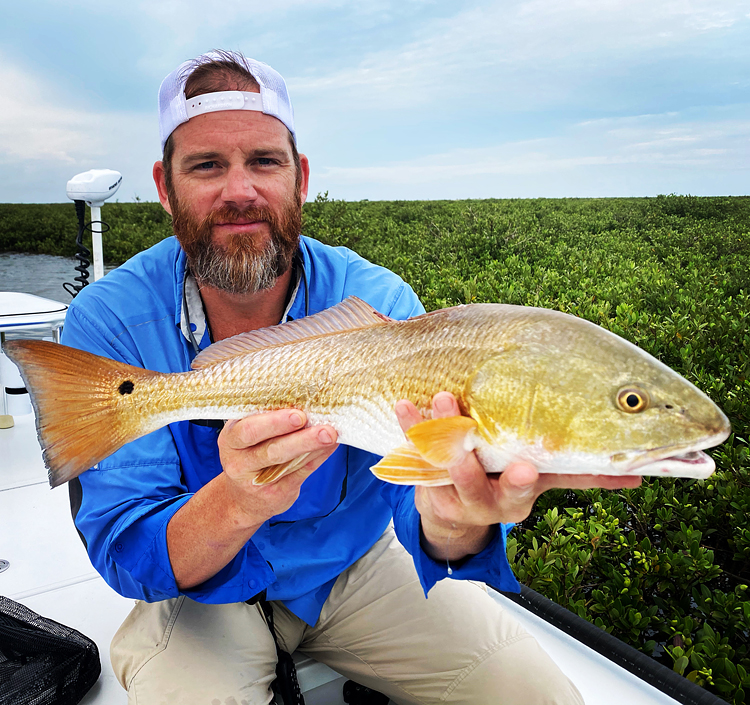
pixel 434 446
pixel 443 442
pixel 276 472
pixel 405 466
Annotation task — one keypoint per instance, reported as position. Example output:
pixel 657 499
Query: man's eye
pixel 205 166
pixel 266 161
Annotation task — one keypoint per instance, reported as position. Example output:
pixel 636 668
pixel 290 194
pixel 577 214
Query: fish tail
pixel 83 404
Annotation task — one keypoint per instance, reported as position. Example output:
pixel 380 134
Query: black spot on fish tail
pixel 126 387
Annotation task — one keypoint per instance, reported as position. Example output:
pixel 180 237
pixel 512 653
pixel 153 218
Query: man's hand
pixel 249 445
pixel 217 521
pixel 459 519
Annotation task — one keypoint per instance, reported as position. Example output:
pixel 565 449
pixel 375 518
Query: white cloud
pixel 182 25
pixel 516 67
pixel 35 123
pixel 721 142
pixel 45 139
pixel 645 142
pixel 507 47
pixel 38 122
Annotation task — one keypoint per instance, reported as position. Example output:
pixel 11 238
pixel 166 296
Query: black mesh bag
pixel 43 662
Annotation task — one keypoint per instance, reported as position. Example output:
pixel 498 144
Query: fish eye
pixel 632 400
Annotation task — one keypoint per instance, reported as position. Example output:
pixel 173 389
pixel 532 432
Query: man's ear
pixel 304 166
pixel 161 186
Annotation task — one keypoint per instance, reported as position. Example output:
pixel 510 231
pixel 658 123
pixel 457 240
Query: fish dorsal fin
pixel 350 314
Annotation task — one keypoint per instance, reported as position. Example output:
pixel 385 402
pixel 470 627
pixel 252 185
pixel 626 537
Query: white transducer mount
pixel 94 187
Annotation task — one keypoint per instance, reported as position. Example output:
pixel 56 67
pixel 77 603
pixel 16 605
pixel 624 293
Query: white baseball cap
pixel 174 108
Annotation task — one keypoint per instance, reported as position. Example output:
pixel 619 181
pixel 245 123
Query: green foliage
pixel 38 228
pixel 664 567
pixel 133 227
pixel 51 229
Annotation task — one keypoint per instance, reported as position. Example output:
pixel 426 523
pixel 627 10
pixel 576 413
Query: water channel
pixel 42 275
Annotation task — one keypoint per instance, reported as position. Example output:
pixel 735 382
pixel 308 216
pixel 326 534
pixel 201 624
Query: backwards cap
pixel 174 109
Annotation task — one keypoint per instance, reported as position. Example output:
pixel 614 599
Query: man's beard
pixel 240 265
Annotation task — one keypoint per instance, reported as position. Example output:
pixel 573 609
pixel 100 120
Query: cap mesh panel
pixel 171 93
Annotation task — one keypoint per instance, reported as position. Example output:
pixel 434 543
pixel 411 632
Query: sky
pixel 402 99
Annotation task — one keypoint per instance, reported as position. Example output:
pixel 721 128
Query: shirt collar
pixel 193 315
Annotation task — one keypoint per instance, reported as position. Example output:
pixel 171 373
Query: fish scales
pixel 354 377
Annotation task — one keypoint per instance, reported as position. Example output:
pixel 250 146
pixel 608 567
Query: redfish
pixel 532 384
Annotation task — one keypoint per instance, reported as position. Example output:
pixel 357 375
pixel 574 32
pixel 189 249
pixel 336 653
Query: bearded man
pixel 335 561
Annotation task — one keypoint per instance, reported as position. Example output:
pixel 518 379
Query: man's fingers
pixel 476 499
pixel 471 483
pixel 260 441
pixel 252 430
pixel 520 485
pixel 469 478
pixel 517 490
pixel 550 481
pixel 616 482
pixel 407 414
pixel 444 404
pixel 285 449
pixel 312 462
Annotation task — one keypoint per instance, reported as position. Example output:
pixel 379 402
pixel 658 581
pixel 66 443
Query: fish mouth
pixel 687 460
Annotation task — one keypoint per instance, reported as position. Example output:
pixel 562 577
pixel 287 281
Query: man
pixel 174 520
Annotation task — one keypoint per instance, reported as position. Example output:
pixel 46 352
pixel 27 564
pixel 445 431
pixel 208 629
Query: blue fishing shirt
pixel 135 314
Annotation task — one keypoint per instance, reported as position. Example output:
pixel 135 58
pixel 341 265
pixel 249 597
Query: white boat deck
pixel 49 570
pixel 50 573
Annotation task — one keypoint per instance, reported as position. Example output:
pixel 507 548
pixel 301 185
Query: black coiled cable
pixel 83 255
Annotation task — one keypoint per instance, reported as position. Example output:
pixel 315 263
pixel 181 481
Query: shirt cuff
pixel 489 566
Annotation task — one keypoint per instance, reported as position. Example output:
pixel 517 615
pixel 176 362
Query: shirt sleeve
pixel 405 304
pixel 127 500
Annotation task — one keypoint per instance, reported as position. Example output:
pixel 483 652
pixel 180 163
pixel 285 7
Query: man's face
pixel 235 198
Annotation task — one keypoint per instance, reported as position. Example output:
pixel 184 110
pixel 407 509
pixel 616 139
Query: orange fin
pixel 350 314
pixel 276 472
pixel 83 403
pixel 443 442
pixel 405 466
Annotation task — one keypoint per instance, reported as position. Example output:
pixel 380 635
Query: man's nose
pixel 239 187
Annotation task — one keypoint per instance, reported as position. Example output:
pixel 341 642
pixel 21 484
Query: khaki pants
pixel 457 646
